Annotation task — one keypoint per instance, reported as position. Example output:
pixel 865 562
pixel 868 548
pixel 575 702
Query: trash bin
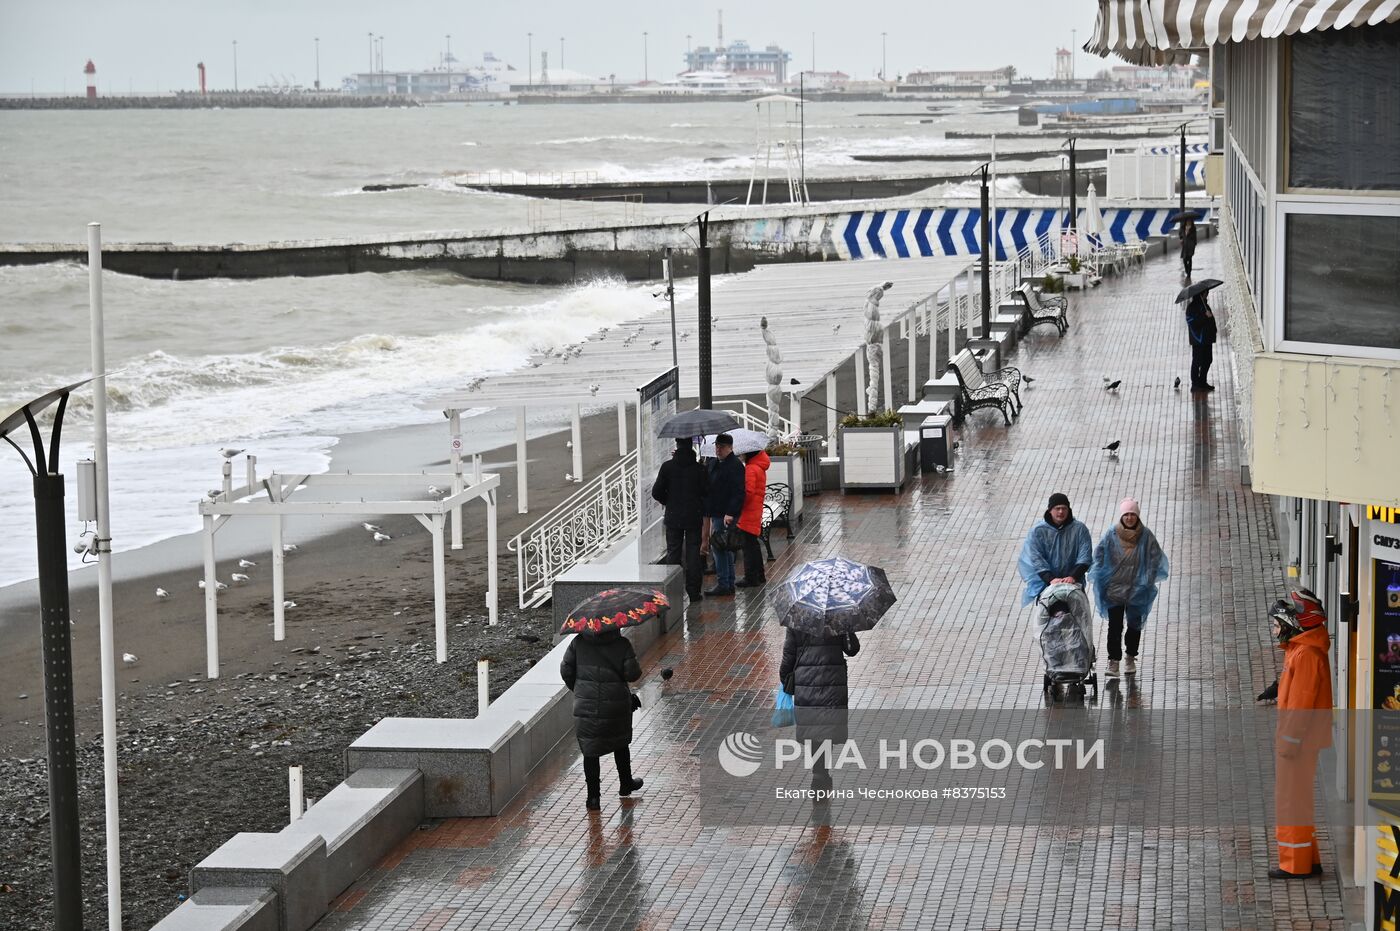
pixel 811 446
pixel 935 443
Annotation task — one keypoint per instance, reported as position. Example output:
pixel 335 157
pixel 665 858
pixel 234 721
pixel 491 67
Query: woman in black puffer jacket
pixel 813 672
pixel 597 669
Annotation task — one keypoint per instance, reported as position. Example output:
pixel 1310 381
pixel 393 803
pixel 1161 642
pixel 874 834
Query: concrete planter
pixel 787 470
pixel 871 457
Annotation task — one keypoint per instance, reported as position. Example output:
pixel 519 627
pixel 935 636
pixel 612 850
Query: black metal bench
pixel 1053 310
pixel 975 391
pixel 777 508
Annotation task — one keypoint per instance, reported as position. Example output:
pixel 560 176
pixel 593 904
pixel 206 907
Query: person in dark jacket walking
pixel 813 672
pixel 1200 328
pixel 682 484
pixel 596 669
pixel 724 505
pixel 1187 233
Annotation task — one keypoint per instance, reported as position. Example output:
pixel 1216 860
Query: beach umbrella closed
pixel 698 422
pixel 1199 287
pixel 833 596
pixel 874 343
pixel 1093 219
pixel 774 374
pixel 614 609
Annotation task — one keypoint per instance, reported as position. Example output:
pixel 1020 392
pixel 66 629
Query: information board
pixel 656 401
pixel 1385 681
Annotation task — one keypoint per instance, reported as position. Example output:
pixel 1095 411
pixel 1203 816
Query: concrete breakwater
pixel 632 251
pixel 220 101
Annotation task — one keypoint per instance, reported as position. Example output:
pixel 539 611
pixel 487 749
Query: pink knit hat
pixel 1129 505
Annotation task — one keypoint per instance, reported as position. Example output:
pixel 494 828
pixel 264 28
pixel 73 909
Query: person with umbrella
pixel 1200 329
pixel 682 485
pixel 597 666
pixel 1058 548
pixel 724 504
pixel 1187 234
pixel 823 604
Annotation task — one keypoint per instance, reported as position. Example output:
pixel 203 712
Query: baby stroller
pixel 1064 625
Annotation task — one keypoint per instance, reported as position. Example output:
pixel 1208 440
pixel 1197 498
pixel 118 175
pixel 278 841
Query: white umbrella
pixel 1093 219
pixel 774 372
pixel 745 441
pixel 874 343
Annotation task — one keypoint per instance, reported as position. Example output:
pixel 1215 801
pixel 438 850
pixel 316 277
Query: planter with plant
pixel 871 448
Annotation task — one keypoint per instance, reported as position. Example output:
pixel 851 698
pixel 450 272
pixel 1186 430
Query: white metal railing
pixel 753 416
pixel 587 523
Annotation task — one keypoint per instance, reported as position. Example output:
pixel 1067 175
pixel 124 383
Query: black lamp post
pixel 986 258
pixel 703 323
pixel 1073 188
pixel 57 650
pixel 1181 203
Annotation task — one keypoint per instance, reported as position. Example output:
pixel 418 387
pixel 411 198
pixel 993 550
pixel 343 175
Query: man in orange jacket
pixel 1304 729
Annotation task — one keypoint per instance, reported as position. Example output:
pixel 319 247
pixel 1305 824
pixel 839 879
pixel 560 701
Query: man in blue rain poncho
pixel 1058 549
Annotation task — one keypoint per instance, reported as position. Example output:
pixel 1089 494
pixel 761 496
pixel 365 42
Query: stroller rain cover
pixel 1064 628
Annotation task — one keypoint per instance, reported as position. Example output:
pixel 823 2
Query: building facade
pixel 1306 139
pixel 769 64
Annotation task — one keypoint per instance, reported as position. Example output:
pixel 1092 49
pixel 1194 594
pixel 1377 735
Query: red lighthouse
pixel 91 72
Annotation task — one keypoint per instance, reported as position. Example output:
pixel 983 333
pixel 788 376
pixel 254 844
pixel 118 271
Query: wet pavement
pixel 956 639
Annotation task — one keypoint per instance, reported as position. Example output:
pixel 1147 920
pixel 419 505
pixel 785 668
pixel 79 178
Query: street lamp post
pixel 645 74
pixel 57 651
pixel 561 53
pixel 882 56
pixel 1181 203
pixel 318 62
pixel 235 66
pixel 529 59
pixel 371 56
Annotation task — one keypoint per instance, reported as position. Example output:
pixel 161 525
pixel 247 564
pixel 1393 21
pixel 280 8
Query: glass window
pixel 1342 280
pixel 1344 109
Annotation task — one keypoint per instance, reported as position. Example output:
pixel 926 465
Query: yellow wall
pixel 1326 427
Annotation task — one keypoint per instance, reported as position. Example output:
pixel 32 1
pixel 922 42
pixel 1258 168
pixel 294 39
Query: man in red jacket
pixel 1304 729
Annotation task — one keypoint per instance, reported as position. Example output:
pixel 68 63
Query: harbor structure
pixel 1305 126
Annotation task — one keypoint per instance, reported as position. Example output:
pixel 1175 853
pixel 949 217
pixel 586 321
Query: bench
pixel 777 505
pixel 1007 375
pixel 1052 310
pixel 975 391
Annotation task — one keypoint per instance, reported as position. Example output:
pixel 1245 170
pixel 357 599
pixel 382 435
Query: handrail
pixel 740 408
pixel 588 522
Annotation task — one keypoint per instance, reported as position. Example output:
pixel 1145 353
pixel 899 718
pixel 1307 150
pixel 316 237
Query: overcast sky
pixel 155 44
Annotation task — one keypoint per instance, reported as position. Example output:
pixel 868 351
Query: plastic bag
pixel 782 708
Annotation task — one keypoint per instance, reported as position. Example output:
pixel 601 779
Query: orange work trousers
pixel 1293 811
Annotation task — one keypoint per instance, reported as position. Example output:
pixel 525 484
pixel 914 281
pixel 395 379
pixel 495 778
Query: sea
pixel 289 366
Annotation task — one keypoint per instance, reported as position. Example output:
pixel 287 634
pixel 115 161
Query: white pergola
pixel 272 497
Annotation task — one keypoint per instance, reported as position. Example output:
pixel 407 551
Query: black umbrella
pixel 1200 287
pixel 699 422
pixel 833 596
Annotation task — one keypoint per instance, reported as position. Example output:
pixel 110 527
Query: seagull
pixel 129 659
pixel 215 492
pixel 1113 448
pixel 1176 385
pixel 568 477
pixel 835 328
pixel 289 604
pixel 381 537
pixel 239 577
pixel 593 389
pixel 289 547
pixel 229 453
pixel 655 343
pixel 162 593
pixel 218 586
pixel 370 527
pixel 1113 385
pixel 246 564
pixel 568 444
pixel 685 334
pixel 435 491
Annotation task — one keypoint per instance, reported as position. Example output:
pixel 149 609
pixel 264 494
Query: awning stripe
pixel 1160 31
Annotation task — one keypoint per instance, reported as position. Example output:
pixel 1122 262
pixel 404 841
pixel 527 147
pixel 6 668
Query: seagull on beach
pixel 568 477
pixel 370 527
pixel 162 593
pixel 246 564
pixel 685 334
pixel 218 586
pixel 229 453
pixel 289 603
pixel 381 537
pixel 129 659
pixel 835 328
pixel 655 343
pixel 239 577
pixel 593 389
pixel 289 547
pixel 568 444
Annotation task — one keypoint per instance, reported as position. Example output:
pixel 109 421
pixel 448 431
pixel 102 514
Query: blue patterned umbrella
pixel 833 596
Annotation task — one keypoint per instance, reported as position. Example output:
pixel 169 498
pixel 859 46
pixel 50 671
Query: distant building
pixel 824 79
pixel 1141 78
pixel 1064 64
pixel 491 76
pixel 977 79
pixel 768 64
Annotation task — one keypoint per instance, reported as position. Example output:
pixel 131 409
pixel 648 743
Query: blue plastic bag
pixel 782 708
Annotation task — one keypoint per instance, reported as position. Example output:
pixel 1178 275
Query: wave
pixel 619 137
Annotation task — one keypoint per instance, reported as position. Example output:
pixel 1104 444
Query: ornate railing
pixel 753 416
pixel 587 523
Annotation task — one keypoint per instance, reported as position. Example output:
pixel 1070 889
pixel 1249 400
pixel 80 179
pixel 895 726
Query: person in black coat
pixel 1200 327
pixel 1187 232
pixel 723 506
pixel 597 668
pixel 682 485
pixel 813 672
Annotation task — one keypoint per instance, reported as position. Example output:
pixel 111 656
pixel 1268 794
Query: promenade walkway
pixel 956 639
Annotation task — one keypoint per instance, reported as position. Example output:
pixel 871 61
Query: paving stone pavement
pixel 956 639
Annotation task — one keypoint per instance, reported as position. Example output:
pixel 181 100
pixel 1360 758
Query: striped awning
pixel 1168 31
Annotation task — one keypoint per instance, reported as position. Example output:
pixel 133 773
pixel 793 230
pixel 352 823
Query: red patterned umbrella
pixel 615 609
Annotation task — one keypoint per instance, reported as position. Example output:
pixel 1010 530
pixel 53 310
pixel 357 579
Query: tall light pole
pixel 529 59
pixel 882 56
pixel 235 66
pixel 57 646
pixel 645 72
pixel 318 62
pixel 1181 208
pixel 449 51
pixel 561 53
pixel 371 54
